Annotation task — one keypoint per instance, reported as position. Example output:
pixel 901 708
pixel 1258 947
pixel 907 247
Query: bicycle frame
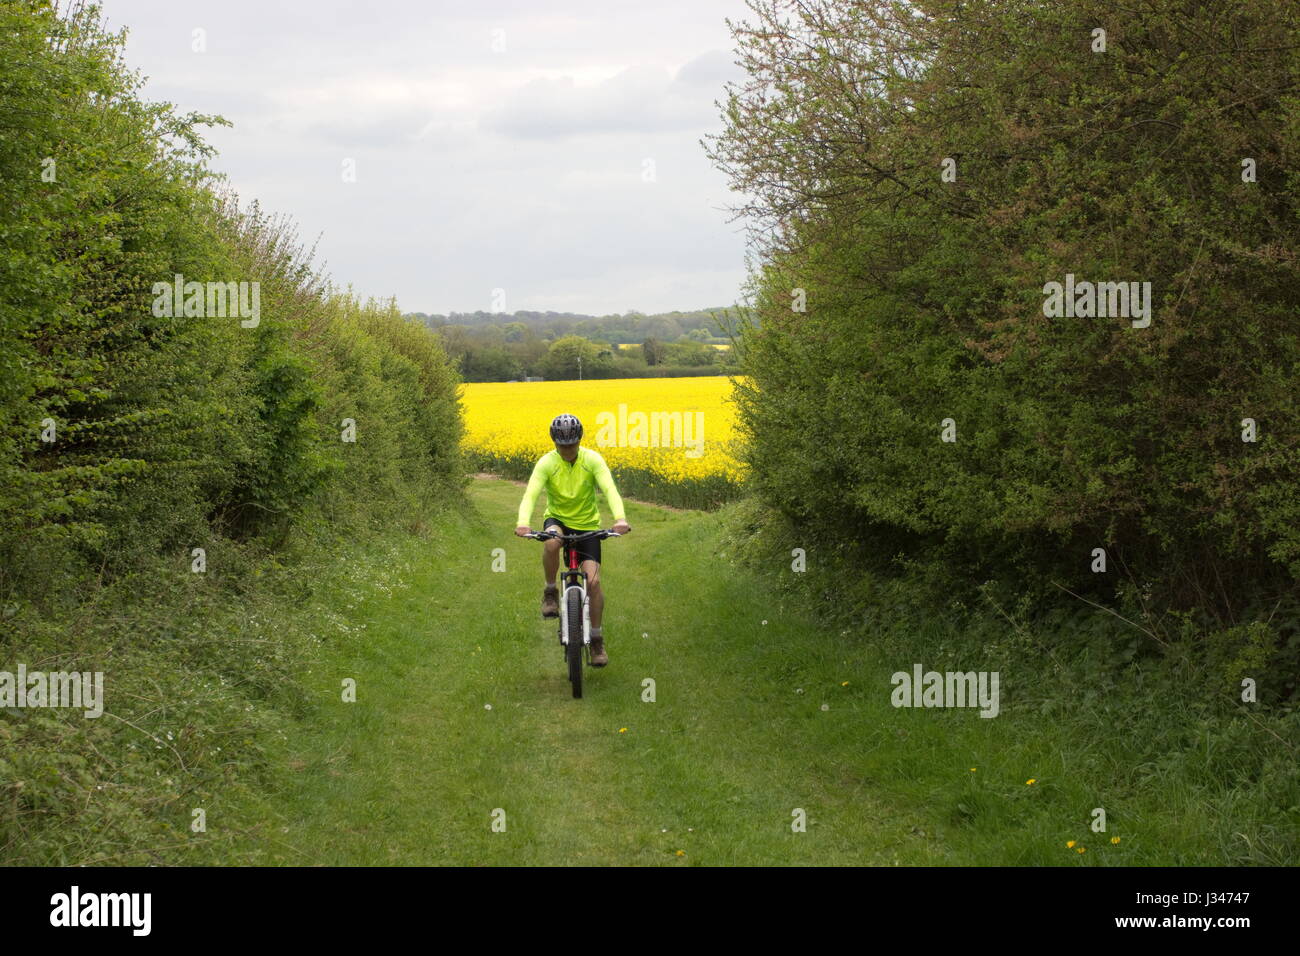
pixel 572 577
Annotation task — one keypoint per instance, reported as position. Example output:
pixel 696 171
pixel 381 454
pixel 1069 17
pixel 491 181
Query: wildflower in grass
pixel 1069 844
pixel 681 852
pixel 1031 781
pixel 1082 849
pixel 845 684
pixel 1114 841
pixel 622 730
pixel 972 769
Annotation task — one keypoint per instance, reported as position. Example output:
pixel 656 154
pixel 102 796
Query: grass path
pixel 412 772
pixel 709 773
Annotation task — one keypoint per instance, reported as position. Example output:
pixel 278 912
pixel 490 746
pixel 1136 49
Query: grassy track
pixel 710 773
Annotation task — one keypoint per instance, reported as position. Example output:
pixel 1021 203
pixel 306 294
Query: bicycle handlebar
pixel 579 536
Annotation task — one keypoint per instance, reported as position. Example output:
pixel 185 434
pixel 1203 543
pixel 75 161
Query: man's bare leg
pixel 550 564
pixel 595 596
pixel 551 559
pixel 596 602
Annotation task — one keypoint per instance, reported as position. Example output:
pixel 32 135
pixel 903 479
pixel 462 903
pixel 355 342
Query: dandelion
pixel 1069 844
pixel 681 852
pixel 826 706
pixel 845 684
pixel 1114 841
pixel 622 730
pixel 1082 849
pixel 1031 781
pixel 972 769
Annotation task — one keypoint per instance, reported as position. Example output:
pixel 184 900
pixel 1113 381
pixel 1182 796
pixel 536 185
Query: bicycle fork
pixel 564 614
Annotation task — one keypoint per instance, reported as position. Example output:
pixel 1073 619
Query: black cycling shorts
pixel 588 550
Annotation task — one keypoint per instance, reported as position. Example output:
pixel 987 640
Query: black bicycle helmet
pixel 566 430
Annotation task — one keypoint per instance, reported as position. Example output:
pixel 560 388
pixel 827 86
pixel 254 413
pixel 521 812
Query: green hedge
pixel 167 429
pixel 925 298
pixel 170 434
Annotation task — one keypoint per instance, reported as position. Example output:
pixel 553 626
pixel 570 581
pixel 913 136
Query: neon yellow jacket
pixel 571 490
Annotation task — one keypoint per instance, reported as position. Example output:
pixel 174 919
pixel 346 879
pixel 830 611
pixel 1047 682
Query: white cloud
pixel 642 98
pixel 476 169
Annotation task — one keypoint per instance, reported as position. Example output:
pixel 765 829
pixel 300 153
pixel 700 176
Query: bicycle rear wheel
pixel 574 649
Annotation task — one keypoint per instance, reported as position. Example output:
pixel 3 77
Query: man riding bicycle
pixel 571 475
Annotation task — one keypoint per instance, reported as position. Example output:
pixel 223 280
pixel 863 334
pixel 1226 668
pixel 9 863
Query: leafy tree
pixel 128 429
pixel 566 355
pixel 925 292
pixel 490 365
pixel 653 351
pixel 689 353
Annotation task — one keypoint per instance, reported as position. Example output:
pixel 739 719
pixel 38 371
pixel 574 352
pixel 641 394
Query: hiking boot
pixel 551 601
pixel 598 656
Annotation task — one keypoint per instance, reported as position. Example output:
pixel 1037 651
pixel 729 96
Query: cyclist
pixel 571 474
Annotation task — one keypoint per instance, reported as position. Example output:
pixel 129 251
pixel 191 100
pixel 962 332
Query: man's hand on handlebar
pixel 523 531
pixel 622 527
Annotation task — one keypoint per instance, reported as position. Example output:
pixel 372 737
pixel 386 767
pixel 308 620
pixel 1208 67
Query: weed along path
pixel 465 746
pixel 767 741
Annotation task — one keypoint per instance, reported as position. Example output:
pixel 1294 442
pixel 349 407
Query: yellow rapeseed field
pixel 678 428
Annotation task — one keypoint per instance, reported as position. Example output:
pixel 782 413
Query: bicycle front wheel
pixel 574 649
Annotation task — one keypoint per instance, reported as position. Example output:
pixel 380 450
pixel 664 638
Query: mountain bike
pixel 575 620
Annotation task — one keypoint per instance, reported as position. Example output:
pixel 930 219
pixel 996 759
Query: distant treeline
pixel 703 325
pixel 494 347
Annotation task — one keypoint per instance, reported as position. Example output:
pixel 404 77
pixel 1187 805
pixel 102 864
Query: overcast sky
pixel 501 144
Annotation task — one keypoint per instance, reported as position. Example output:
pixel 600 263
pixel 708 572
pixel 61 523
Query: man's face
pixel 567 452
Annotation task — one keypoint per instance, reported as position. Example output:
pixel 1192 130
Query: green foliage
pixel 203 674
pixel 1086 704
pixel 169 431
pixel 652 351
pixel 572 357
pixel 486 349
pixel 163 424
pixel 716 325
pixel 924 298
pixel 689 353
